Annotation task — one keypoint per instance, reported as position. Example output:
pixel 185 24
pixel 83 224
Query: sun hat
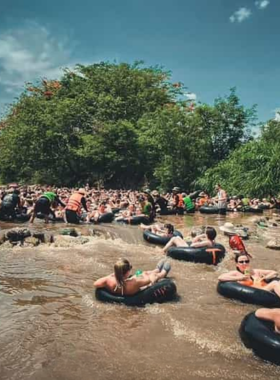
pixel 176 188
pixel 201 194
pixel 147 191
pixel 230 229
pixel 82 191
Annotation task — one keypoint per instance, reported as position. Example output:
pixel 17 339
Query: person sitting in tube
pixel 272 315
pixel 128 213
pixel 159 229
pixel 204 240
pixel 124 283
pixel 247 276
pixel 103 208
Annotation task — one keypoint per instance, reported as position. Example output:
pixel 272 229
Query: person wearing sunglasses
pixel 124 283
pixel 252 277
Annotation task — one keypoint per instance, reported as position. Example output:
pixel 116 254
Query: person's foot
pixel 160 264
pixel 166 267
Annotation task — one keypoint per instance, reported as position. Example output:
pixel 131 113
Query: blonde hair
pixel 121 267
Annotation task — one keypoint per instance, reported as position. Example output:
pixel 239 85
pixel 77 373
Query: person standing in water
pixel 222 199
pixel 178 202
pixel 73 208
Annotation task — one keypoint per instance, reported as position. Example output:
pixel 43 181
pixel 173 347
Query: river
pixel 52 327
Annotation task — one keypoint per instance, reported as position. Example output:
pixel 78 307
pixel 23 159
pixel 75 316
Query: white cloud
pixel 190 95
pixel 28 53
pixel 241 15
pixel 262 4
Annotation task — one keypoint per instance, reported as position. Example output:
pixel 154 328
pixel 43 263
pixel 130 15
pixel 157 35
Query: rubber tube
pixel 260 336
pixel 162 291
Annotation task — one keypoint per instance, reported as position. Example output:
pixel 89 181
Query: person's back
pixel 162 202
pixel 188 203
pixel 11 200
pixel 9 203
pixel 123 283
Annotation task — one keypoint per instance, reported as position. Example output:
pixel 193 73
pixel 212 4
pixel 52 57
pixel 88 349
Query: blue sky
pixel 209 45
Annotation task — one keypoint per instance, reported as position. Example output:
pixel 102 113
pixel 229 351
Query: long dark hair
pixel 170 228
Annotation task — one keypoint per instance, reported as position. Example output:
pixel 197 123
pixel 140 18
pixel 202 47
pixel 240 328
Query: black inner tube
pixel 135 220
pixel 209 210
pixel 260 336
pixel 206 255
pixel 162 291
pixel 156 239
pixel 248 294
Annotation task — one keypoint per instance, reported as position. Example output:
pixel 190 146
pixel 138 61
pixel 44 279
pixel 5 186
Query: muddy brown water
pixel 52 327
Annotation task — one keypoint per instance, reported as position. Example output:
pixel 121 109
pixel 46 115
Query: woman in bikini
pixel 255 278
pixel 204 240
pixel 122 282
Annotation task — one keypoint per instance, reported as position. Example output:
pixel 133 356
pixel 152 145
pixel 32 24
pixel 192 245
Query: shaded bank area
pixel 53 328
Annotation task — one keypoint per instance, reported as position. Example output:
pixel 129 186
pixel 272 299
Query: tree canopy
pixel 123 125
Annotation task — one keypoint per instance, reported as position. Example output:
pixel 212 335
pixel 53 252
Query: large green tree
pixel 117 124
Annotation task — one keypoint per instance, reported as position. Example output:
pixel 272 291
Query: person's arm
pixel 232 276
pixel 267 314
pixel 84 204
pixel 101 282
pixel 265 274
pixel 199 238
pixel 59 201
pixel 19 202
pixel 200 244
pixel 53 213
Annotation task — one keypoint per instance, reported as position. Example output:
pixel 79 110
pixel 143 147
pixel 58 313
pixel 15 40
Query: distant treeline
pixel 129 125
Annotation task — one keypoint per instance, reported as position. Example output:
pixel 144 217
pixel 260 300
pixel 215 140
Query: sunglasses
pixel 244 262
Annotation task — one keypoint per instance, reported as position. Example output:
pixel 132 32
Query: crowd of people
pixel 87 204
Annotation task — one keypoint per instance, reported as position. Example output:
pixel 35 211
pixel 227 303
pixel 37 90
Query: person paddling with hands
pixel 255 278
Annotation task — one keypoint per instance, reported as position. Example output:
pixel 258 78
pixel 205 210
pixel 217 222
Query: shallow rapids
pixel 53 328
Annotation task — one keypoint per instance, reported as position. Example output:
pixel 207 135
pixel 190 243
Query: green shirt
pixel 188 203
pixel 50 196
pixel 147 209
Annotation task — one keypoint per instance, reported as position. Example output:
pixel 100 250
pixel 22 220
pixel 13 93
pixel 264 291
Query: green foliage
pixel 253 169
pixel 120 125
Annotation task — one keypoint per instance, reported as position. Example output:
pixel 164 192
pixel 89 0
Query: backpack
pixel 236 244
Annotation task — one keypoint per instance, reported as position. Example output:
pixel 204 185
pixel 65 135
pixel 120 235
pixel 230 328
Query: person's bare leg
pixel 270 315
pixel 143 227
pixel 32 217
pixel 273 286
pixel 177 241
pixel 169 244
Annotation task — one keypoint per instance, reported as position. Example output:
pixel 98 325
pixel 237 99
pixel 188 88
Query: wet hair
pixel 169 227
pixel 211 233
pixel 121 267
